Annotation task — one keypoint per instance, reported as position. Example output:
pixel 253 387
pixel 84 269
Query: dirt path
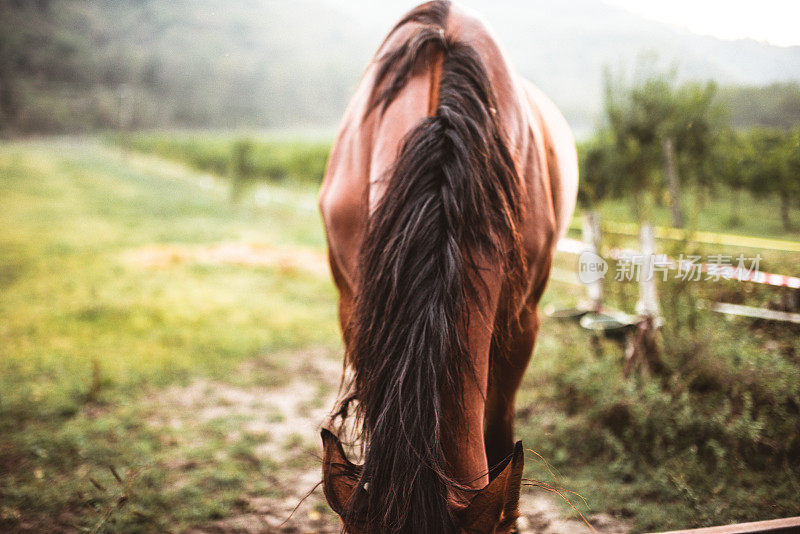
pixel 287 417
pixel 231 253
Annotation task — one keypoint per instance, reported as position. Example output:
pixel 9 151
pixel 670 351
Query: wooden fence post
pixel 648 296
pixel 644 347
pixel 591 236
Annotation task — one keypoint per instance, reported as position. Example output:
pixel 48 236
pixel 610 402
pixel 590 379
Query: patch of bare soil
pixel 286 418
pixel 541 515
pixel 296 409
pixel 230 253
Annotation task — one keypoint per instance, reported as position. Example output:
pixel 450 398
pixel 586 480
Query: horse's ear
pixel 513 487
pixel 339 475
pixel 495 508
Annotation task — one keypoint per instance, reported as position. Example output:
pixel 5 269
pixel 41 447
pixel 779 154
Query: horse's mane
pixel 452 202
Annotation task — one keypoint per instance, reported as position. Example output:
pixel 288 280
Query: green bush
pixel 263 159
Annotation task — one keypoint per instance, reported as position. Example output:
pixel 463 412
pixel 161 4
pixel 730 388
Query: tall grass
pixel 710 437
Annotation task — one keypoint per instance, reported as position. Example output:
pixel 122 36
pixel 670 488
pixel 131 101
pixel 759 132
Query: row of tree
pixel 660 137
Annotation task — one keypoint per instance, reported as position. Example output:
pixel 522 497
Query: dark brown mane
pixel 414 54
pixel 452 203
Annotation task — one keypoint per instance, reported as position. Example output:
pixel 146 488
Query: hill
pixel 72 65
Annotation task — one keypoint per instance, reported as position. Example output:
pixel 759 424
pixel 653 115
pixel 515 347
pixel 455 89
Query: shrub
pixel 262 159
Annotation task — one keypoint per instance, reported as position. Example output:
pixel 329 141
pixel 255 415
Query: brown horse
pixel 450 182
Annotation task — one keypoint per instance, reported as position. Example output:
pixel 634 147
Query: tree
pixel 601 170
pixel 661 131
pixel 694 125
pixel 793 171
pixel 774 106
pixel 727 165
pixel 772 167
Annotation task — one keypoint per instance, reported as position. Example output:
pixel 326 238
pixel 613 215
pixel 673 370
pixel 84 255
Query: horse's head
pixel 493 509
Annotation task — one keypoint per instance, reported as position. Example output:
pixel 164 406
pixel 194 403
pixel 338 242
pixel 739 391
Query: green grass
pixel 92 343
pixel 716 212
pixel 70 296
pixel 692 450
pixel 710 439
pixel 83 326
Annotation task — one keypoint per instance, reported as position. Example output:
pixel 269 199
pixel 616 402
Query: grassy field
pixel 165 357
pixel 300 157
pixel 90 334
pixel 717 213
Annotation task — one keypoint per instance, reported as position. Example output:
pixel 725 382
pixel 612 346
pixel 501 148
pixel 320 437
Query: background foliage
pixel 84 65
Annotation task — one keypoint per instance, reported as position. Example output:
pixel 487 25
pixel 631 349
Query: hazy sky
pixel 775 21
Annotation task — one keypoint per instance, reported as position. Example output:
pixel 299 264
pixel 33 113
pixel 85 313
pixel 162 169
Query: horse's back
pixel 562 159
pixel 366 147
pixel 538 137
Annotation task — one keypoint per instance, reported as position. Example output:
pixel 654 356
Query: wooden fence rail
pixel 789 525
